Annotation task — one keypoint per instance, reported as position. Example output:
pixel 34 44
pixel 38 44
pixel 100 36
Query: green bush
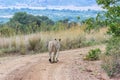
pixel 93 54
pixel 7 31
pixel 111 61
pixel 113 46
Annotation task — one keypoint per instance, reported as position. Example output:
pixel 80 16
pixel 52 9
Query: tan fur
pixel 53 47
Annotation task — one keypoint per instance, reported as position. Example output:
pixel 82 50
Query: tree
pixel 23 22
pixel 112 15
pixel 7 31
pixel 111 63
pixel 91 24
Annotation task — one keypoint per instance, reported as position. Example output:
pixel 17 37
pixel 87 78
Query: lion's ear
pixel 59 39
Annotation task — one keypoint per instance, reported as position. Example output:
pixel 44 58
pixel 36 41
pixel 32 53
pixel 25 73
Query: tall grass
pixel 74 37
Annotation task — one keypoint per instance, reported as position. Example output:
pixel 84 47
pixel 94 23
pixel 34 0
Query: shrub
pixel 111 60
pixel 113 46
pixel 33 42
pixel 7 31
pixel 93 54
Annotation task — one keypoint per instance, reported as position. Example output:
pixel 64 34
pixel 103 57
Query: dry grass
pixel 71 38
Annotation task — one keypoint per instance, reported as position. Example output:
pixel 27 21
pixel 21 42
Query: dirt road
pixel 71 66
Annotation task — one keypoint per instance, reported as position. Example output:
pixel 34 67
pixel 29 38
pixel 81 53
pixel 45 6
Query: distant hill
pixel 51 13
pixel 54 9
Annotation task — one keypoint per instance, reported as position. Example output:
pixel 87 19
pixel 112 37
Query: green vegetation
pixel 26 23
pixel 94 23
pixel 112 15
pixel 7 31
pixel 93 54
pixel 111 59
pixel 23 23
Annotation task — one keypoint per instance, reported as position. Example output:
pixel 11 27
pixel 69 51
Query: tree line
pixel 24 23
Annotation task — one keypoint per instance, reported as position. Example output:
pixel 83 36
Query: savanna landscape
pixel 89 48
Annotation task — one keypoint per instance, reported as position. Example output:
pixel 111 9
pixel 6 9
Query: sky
pixel 51 4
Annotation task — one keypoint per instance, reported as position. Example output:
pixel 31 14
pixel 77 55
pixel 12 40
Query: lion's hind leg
pixel 50 57
pixel 56 57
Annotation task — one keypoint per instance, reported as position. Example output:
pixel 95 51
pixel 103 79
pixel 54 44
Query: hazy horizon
pixel 50 4
pixel 47 7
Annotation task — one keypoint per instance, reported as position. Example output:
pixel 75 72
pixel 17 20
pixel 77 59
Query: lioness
pixel 54 46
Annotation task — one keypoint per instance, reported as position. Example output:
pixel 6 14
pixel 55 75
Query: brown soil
pixel 71 66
